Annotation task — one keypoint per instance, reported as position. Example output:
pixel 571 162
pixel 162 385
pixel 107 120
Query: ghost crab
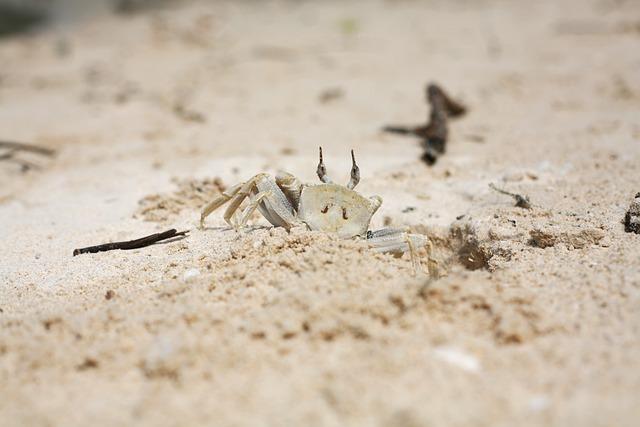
pixel 286 202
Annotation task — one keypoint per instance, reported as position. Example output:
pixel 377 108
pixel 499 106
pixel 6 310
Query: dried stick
pixel 19 146
pixel 14 148
pixel 521 201
pixel 434 134
pixel 453 108
pixel 131 244
pixel 632 217
pixel 9 156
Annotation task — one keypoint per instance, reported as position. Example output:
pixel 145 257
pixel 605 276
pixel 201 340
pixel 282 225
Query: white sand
pixel 303 329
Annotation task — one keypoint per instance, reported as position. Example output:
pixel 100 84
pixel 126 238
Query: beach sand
pixel 529 317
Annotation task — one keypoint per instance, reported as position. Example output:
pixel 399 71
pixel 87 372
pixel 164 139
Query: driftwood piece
pixel 435 133
pixel 131 244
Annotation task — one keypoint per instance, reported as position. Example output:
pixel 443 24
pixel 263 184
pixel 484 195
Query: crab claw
pixel 322 170
pixel 355 173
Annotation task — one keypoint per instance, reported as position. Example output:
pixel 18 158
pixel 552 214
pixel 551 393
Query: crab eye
pixel 344 213
pixel 325 209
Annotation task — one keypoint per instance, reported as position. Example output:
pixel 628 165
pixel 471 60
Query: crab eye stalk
pixel 355 173
pixel 322 170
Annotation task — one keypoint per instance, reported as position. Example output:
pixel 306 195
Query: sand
pixel 532 317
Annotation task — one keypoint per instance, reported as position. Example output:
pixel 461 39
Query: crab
pixel 286 202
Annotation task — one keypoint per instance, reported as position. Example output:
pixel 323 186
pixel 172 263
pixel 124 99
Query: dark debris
pixel 131 244
pixel 632 217
pixel 435 133
pixel 521 201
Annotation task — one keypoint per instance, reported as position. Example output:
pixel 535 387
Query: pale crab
pixel 286 202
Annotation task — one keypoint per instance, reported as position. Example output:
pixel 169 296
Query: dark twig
pixel 131 7
pixel 453 108
pixel 15 148
pixel 18 17
pixel 434 134
pixel 632 217
pixel 19 146
pixel 131 244
pixel 25 165
pixel 521 201
pixel 8 155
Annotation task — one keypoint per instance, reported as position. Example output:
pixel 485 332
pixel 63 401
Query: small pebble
pixel 458 358
pixel 539 403
pixel 190 274
pixel 513 177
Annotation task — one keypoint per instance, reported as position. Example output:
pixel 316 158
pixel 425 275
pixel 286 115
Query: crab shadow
pixel 244 230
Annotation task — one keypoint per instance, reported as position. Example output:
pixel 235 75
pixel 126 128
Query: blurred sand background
pixel 535 320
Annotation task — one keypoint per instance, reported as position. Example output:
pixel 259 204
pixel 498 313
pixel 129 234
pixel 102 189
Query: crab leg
pixel 265 195
pixel 276 207
pixel 242 194
pixel 397 241
pixel 291 187
pixel 251 208
pixel 376 202
pixel 218 201
pixel 236 194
